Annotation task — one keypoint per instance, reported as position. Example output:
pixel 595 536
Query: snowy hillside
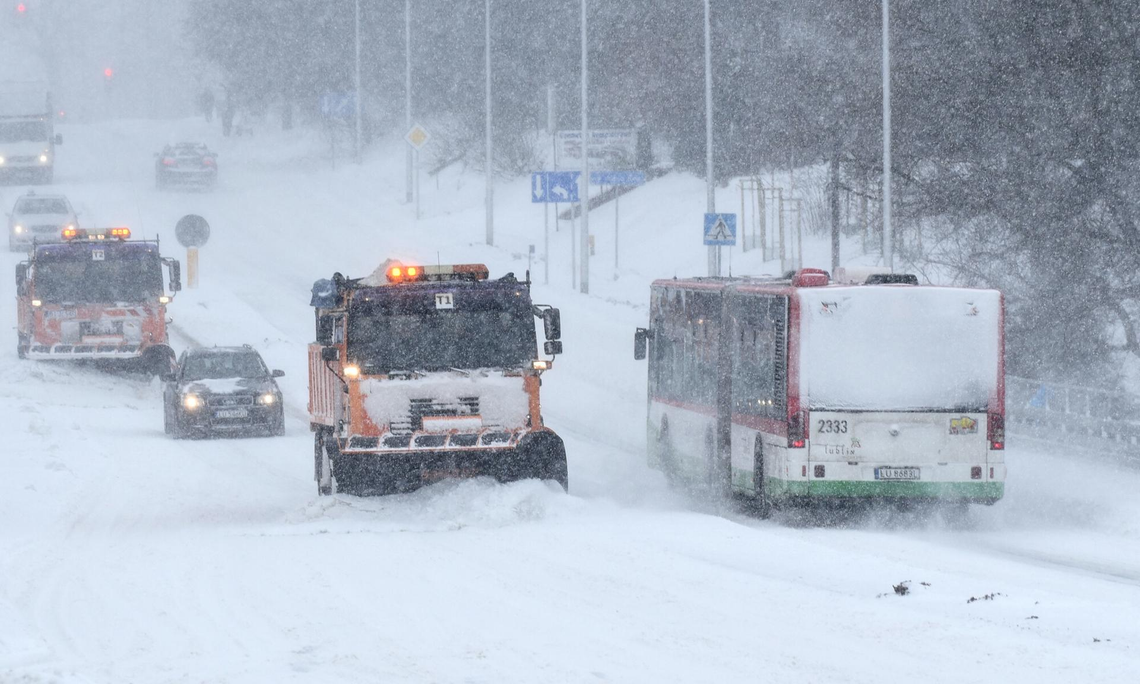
pixel 126 556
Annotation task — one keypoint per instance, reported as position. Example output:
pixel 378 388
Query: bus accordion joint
pixel 797 430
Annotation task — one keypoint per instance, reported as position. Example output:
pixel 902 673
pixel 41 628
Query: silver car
pixel 39 217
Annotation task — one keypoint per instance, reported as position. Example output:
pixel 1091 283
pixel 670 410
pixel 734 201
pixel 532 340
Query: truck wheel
pixel 546 454
pixel 158 360
pixel 22 346
pixel 326 485
pixel 166 425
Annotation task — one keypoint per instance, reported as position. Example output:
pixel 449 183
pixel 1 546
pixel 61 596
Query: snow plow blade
pixel 538 455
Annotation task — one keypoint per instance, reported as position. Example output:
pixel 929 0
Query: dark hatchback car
pixel 222 390
pixel 186 165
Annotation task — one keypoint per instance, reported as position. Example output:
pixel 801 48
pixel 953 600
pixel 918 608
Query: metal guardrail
pixel 1068 414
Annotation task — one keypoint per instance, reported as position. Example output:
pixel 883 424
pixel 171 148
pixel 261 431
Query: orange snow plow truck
pixel 421 373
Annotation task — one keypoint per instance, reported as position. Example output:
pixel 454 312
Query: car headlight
pixel 43 158
pixel 191 401
pixel 18 229
pixel 267 399
pixel 1 160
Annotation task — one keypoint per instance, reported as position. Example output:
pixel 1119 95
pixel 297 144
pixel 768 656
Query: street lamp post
pixel 584 199
pixel 888 238
pixel 357 95
pixel 714 252
pixel 408 92
pixel 490 199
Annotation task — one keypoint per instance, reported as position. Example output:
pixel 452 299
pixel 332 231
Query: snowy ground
pixel 125 556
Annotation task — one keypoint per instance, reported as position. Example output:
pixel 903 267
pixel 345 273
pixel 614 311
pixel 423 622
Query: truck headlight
pixel 1 160
pixel 191 401
pixel 18 229
pixel 43 158
pixel 267 399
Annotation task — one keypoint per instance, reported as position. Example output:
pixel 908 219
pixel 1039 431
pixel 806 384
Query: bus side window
pixel 754 386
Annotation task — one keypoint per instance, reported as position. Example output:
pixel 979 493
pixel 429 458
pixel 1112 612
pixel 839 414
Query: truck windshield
pixel 22 131
pixel 84 280
pixel 407 331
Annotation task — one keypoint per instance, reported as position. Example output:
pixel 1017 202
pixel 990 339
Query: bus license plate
pixel 897 474
pixel 232 413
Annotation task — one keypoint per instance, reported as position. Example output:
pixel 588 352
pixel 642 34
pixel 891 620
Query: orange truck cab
pixel 96 295
pixel 421 373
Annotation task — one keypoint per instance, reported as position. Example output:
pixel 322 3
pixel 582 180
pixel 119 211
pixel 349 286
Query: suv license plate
pixel 232 413
pixel 897 474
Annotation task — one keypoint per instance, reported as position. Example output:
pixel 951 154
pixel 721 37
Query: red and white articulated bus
pixel 796 389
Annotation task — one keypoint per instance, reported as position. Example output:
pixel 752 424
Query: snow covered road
pixel 126 556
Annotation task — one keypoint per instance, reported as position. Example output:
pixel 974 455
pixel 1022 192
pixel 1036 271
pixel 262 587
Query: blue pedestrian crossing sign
pixel 720 230
pixel 554 186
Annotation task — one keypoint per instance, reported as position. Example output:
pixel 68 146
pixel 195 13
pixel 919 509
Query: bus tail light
pixel 995 428
pixel 797 430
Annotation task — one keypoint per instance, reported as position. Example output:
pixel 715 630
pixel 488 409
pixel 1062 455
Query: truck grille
pixel 230 400
pixel 421 408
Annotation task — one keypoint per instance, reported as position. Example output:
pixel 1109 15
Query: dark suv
pixel 217 390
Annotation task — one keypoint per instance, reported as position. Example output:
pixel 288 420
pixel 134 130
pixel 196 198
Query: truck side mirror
pixel 552 347
pixel 175 276
pixel 58 138
pixel 21 279
pixel 330 354
pixel 640 343
pixel 552 324
pixel 325 324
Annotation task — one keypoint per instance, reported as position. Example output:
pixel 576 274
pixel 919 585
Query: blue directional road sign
pixel 338 106
pixel 720 230
pixel 554 186
pixel 617 178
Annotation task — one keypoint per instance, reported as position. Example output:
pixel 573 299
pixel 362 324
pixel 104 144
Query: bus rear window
pixel 900 349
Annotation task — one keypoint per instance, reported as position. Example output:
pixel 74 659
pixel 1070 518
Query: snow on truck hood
pixel 503 400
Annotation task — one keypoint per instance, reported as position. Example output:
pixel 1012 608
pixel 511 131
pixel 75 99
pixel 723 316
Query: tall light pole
pixel 490 199
pixel 888 237
pixel 584 198
pixel 408 92
pixel 714 252
pixel 357 96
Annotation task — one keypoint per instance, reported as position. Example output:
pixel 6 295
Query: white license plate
pixel 897 474
pixel 232 413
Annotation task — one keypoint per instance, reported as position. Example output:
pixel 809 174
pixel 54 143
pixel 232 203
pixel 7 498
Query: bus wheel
pixel 762 503
pixel 718 473
pixel 666 456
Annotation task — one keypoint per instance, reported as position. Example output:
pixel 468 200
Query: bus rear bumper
pixel 983 492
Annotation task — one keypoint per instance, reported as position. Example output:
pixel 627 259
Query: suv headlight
pixel 191 401
pixel 43 158
pixel 267 399
pixel 18 229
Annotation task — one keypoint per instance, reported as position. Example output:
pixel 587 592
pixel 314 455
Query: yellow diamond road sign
pixel 417 137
